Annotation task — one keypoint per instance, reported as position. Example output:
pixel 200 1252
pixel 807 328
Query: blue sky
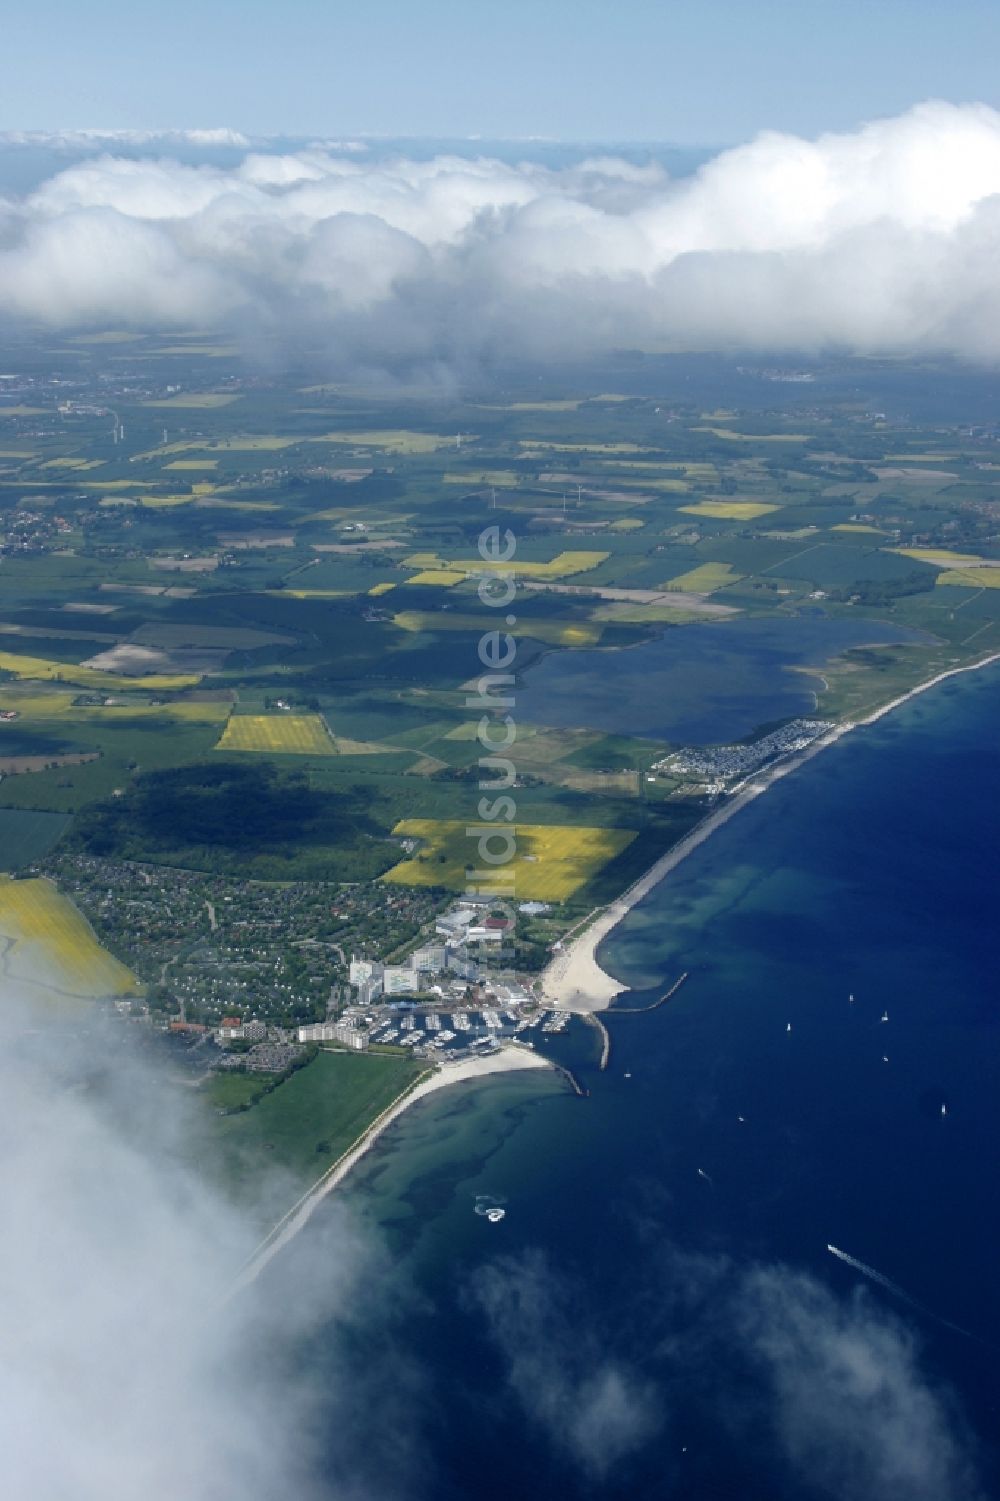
pixel 710 73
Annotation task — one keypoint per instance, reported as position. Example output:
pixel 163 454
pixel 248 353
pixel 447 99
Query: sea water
pixel 662 1267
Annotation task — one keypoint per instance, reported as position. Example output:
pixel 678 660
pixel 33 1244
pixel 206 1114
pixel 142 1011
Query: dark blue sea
pixel 658 1314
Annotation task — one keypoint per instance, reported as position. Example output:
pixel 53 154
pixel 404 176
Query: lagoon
pixel 698 684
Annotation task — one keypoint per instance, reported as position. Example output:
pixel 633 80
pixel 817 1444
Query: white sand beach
pixel 512 1056
pixel 574 981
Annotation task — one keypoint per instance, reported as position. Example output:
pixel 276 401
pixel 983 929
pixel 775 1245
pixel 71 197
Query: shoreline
pixel 574 981
pixel 510 1058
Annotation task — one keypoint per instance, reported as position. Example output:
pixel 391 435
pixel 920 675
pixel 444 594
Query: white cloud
pixel 853 1412
pixel 592 1405
pixel 76 140
pixel 125 1368
pixel 884 239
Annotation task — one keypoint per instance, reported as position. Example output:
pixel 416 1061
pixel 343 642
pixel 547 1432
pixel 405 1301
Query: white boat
pixel 885 1016
pixel 944 1109
pixel 789 1027
pixel 495 1215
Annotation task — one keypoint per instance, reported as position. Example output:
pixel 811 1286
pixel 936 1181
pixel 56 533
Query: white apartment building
pixel 343 1032
pixel 363 969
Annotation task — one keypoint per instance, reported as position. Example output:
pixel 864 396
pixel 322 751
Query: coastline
pixel 574 981
pixel 512 1057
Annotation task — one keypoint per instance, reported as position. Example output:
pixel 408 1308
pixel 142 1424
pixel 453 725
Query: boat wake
pixel 898 1292
pixel 490 1207
pixel 872 1275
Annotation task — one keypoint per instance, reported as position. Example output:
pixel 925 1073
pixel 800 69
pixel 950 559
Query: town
pixel 720 765
pixel 253 975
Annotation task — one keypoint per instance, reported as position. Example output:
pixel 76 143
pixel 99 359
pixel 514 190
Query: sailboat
pixel 885 1016
pixel 944 1109
pixel 789 1027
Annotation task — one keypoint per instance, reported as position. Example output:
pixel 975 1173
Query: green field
pixel 26 836
pixel 339 526
pixel 308 1121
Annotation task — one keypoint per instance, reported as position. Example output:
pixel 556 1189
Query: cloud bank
pixel 126 1369
pixel 881 240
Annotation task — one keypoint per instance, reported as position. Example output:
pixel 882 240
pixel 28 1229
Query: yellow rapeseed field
pixel 392 440
pixel 52 944
pixel 69 463
pixel 311 593
pixel 706 578
pixel 551 863
pixel 445 577
pixel 31 703
pixel 552 632
pixel 971 578
pixel 940 555
pixel 707 472
pixel 730 510
pixel 502 478
pixel 278 735
pixel 44 670
pixel 563 565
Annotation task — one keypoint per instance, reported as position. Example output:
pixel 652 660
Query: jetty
pixel 653 1006
pixel 594 1020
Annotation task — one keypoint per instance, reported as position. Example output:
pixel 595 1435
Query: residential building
pixel 345 1033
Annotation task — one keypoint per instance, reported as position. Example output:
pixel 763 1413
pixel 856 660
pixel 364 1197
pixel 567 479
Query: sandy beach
pixel 574 981
pixel 513 1056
